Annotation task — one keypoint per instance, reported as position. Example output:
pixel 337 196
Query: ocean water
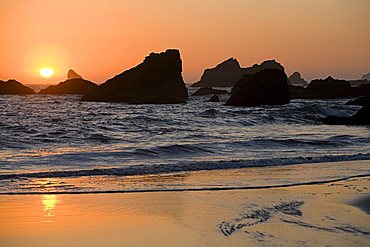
pixel 51 143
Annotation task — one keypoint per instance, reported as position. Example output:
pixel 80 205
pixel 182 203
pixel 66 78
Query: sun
pixel 46 72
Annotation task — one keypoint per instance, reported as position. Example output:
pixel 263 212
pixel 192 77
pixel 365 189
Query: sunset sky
pixel 101 38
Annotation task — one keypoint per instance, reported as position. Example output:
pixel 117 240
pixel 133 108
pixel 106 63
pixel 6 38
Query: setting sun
pixel 46 72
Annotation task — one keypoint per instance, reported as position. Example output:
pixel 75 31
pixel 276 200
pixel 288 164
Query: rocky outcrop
pixel 328 88
pixel 227 73
pixel 266 87
pixel 214 98
pixel 73 75
pixel 362 101
pixel 71 86
pixel 14 87
pixel 362 117
pixel 296 79
pixel 157 80
pixel 209 91
pixel 224 74
pixel 74 84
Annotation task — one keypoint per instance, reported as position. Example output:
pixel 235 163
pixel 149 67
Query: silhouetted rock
pixel 362 117
pixel 157 80
pixel 266 87
pixel 214 98
pixel 224 74
pixel 295 79
pixel 208 91
pixel 296 92
pixel 71 86
pixel 73 75
pixel 366 76
pixel 362 101
pixel 227 73
pixel 14 87
pixel 328 88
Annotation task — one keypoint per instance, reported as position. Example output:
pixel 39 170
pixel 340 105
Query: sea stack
pixel 74 84
pixel 14 87
pixel 157 80
pixel 73 75
pixel 266 87
pixel 296 79
pixel 328 88
pixel 224 74
pixel 227 73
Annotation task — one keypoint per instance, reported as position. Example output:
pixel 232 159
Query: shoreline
pixel 188 189
pixel 322 214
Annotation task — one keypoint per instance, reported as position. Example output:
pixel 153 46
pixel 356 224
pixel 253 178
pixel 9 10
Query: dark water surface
pixel 44 137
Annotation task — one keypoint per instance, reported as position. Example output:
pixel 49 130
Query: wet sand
pixel 331 214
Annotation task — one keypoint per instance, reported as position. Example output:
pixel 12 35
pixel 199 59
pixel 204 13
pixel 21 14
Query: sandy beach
pixel 329 214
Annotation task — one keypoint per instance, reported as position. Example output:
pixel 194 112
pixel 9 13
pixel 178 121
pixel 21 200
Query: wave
pixel 152 169
pixel 285 185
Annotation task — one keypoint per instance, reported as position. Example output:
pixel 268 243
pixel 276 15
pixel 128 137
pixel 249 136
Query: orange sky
pixel 101 38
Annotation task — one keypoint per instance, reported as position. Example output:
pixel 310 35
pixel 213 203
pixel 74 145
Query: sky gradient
pixel 99 39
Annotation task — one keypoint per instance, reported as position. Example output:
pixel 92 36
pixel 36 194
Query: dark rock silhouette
pixel 266 87
pixel 73 85
pixel 224 74
pixel 214 98
pixel 297 80
pixel 296 92
pixel 73 75
pixel 362 101
pixel 227 73
pixel 328 88
pixel 14 87
pixel 362 117
pixel 157 80
pixel 209 91
pixel 366 76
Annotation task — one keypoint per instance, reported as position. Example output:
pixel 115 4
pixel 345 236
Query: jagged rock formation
pixel 223 75
pixel 366 76
pixel 14 87
pixel 296 79
pixel 227 73
pixel 208 91
pixel 328 88
pixel 362 117
pixel 266 87
pixel 157 80
pixel 73 75
pixel 73 85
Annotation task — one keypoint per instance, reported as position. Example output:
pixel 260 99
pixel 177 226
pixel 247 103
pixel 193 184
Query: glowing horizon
pixel 99 39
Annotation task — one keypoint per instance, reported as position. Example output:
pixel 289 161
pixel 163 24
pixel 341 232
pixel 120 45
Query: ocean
pixel 55 143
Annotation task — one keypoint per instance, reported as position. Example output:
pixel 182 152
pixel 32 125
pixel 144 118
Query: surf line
pixel 186 189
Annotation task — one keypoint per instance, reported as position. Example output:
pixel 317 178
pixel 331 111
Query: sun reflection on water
pixel 49 203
